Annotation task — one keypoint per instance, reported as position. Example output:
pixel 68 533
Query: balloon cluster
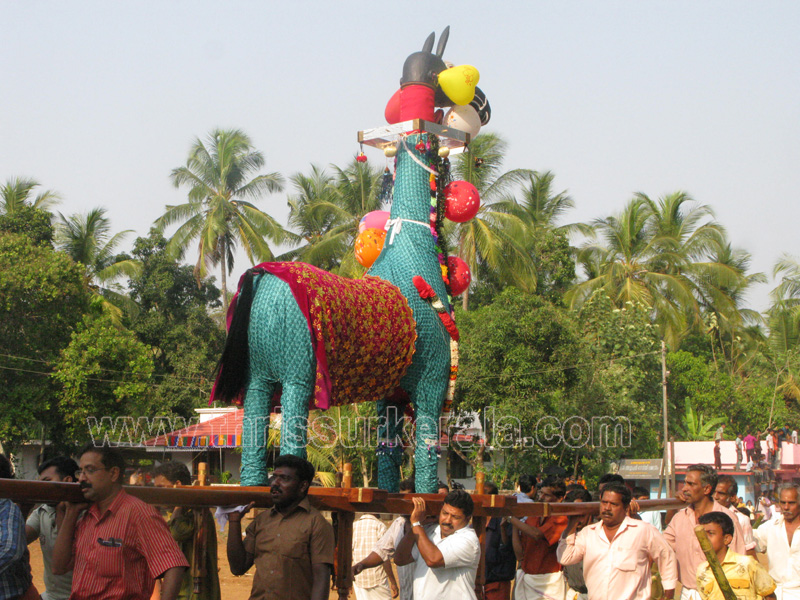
pixel 428 82
pixel 462 202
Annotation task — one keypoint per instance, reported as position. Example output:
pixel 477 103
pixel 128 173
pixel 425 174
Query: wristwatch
pixel 416 524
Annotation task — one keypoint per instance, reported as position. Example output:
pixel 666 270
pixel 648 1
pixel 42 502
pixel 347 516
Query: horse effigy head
pixel 424 67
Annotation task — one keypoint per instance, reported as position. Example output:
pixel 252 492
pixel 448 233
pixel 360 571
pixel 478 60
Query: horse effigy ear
pixel 442 42
pixel 428 45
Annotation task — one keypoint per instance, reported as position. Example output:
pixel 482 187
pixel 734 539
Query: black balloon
pixel 481 104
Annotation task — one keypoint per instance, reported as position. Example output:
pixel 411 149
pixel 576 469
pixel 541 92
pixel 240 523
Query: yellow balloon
pixel 459 83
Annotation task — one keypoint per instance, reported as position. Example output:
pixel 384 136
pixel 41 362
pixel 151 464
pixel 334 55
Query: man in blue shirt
pixel 15 565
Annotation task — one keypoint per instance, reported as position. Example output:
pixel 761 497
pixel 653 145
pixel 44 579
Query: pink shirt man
pixel 680 535
pixel 620 569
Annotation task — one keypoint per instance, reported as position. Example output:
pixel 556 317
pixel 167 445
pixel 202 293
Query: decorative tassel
pixel 387 186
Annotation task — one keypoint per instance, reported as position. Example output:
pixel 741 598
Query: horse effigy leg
pixel 254 433
pixel 390 445
pixel 426 455
pixel 294 418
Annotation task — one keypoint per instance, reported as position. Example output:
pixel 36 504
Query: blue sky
pixel 101 100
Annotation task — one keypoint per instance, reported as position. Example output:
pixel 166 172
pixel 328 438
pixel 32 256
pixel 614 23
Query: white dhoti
pixel 687 594
pixel 379 592
pixel 791 593
pixel 548 586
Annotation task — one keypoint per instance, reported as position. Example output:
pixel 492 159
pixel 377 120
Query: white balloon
pixel 463 118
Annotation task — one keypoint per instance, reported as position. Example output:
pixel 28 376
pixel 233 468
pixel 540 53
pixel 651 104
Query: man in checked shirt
pixel 372 584
pixel 121 545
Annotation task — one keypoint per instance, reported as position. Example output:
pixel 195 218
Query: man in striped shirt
pixel 121 545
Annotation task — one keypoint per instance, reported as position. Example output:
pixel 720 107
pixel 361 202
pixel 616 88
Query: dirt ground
pixel 232 587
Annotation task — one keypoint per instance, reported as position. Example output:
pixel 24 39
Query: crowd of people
pixel 748 447
pixel 623 554
pixel 116 546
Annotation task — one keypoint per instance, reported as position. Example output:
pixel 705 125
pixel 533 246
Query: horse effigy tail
pixel 232 366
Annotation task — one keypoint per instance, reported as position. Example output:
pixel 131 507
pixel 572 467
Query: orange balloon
pixel 369 244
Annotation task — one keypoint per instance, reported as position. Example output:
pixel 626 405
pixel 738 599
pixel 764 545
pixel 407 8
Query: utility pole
pixel 665 439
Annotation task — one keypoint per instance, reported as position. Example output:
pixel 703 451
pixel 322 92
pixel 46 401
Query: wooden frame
pixel 346 501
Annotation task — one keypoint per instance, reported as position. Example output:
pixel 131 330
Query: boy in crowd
pixel 747 577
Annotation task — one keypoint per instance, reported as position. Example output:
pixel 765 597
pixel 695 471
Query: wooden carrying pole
pixel 199 548
pixel 713 562
pixel 330 499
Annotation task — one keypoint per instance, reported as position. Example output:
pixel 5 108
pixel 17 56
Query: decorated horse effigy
pixel 308 339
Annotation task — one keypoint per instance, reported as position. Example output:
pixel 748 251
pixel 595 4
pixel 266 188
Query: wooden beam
pixel 330 499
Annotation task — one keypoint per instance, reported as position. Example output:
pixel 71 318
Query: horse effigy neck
pixel 412 192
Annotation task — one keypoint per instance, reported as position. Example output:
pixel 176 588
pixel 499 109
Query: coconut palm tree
pixel 494 238
pixel 326 213
pixel 310 221
pixel 87 239
pixel 18 192
pixel 668 255
pixel 218 214
pixel 630 267
pixel 735 328
pixel 783 318
pixel 539 207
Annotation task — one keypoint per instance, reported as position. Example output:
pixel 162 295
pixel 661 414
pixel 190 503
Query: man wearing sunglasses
pixel 122 545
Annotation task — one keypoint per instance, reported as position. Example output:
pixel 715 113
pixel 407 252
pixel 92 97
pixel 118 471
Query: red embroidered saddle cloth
pixel 362 330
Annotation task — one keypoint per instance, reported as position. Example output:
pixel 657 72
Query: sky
pixel 101 100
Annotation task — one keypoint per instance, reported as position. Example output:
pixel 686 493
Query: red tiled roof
pixel 222 431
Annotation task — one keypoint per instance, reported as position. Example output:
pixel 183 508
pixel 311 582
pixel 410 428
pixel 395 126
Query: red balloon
pixel 462 201
pixel 392 111
pixel 459 274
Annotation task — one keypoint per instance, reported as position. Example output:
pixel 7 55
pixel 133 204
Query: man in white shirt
pixel 776 538
pixel 648 516
pixel 794 436
pixel 41 525
pixel 725 493
pixel 618 550
pixel 446 555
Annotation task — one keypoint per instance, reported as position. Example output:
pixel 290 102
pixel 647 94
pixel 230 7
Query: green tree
pixel 103 372
pixel 42 299
pixel 219 213
pixel 87 239
pixel 715 393
pixel 516 368
pixel 622 381
pixel 545 240
pixel 34 223
pixel 18 193
pixel 655 254
pixel 783 317
pixel 174 321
